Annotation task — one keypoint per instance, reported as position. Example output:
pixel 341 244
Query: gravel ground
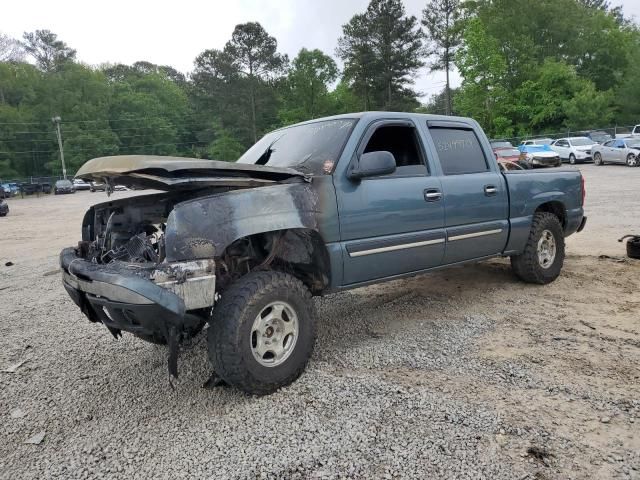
pixel 464 373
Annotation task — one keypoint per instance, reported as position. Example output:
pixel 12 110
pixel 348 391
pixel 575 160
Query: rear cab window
pixel 459 150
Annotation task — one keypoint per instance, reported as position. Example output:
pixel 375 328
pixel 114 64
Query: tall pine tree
pixel 382 50
pixel 440 19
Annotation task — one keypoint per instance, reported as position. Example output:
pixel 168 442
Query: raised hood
pixel 177 173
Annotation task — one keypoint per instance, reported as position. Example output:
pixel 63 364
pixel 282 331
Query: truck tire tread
pixel 526 266
pixel 225 334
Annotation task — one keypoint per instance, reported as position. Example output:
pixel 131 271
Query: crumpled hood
pixel 178 173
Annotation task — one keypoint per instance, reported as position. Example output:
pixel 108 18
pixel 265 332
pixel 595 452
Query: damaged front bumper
pixel 162 302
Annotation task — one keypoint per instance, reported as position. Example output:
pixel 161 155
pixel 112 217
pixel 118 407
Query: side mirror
pixel 374 164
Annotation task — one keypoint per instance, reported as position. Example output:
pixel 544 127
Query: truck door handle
pixel 490 190
pixel 432 195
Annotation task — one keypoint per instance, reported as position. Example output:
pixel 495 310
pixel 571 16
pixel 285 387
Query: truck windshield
pixel 310 148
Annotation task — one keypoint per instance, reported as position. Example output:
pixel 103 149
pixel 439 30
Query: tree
pixel 45 48
pixel 253 54
pixel 438 102
pixel 483 68
pixel 225 147
pixel 442 30
pixel 382 50
pixel 11 50
pixel 306 91
pixel 355 49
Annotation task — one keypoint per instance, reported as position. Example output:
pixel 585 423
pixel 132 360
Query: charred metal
pixel 154 265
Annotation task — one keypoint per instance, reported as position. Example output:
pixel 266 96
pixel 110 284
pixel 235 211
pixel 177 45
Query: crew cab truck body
pixel 322 206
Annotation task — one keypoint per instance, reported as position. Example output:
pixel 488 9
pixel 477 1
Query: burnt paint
pixel 205 226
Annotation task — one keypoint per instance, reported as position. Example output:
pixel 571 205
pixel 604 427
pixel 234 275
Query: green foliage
pixel 441 19
pixel 382 51
pixel 527 67
pixel 561 65
pixel 483 68
pixel 306 89
pixel 225 147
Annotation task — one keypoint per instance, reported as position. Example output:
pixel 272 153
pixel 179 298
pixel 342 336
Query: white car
pixel 537 141
pixel 635 133
pixel 80 184
pixel 574 149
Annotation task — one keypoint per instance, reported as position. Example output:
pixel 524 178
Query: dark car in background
pixel 63 186
pixel 4 208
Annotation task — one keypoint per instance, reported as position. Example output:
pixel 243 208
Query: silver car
pixel 624 150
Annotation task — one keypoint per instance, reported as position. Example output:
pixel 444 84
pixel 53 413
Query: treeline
pixel 526 66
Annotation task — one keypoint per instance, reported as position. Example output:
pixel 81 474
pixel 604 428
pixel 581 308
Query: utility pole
pixel 56 121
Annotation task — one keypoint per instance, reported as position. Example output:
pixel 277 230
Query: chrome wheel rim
pixel 572 160
pixel 274 334
pixel 546 249
pixel 631 160
pixel 598 159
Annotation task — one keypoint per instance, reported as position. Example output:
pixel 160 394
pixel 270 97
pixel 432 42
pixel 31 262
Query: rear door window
pixel 459 151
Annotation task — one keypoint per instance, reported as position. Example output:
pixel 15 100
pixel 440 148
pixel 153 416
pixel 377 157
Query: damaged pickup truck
pixel 317 207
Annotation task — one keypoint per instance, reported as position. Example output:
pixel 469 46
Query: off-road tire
pixel 633 248
pixel 526 265
pixel 229 333
pixel 572 159
pixel 597 159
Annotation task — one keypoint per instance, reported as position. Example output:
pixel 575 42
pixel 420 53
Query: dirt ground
pixel 464 373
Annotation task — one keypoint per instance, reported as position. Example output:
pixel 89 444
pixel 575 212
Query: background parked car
pixel 495 144
pixel 97 187
pixel 12 189
pixel 63 186
pixel 101 187
pixel 626 150
pixel 45 187
pixel 634 133
pixel 510 158
pixel 574 149
pixel 4 208
pixel 538 156
pixel 80 184
pixel 537 141
pixel 598 136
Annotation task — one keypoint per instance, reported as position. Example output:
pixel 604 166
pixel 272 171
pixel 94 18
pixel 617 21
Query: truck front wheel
pixel 262 332
pixel 543 256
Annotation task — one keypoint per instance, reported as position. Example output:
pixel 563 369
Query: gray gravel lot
pixel 464 373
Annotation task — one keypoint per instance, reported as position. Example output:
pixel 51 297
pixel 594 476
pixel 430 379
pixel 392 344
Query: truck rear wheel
pixel 262 332
pixel 543 256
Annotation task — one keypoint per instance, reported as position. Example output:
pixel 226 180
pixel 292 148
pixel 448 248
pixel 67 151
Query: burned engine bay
pixel 131 232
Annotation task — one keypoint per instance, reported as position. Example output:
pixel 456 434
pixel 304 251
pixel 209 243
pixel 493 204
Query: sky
pixel 173 33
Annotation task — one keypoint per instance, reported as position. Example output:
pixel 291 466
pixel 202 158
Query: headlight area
pixel 193 281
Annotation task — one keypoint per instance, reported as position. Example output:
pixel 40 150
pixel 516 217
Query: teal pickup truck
pixel 322 206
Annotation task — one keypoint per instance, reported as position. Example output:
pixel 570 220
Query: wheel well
pixel 300 252
pixel 557 209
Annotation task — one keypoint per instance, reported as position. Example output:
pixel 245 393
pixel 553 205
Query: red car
pixel 508 158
